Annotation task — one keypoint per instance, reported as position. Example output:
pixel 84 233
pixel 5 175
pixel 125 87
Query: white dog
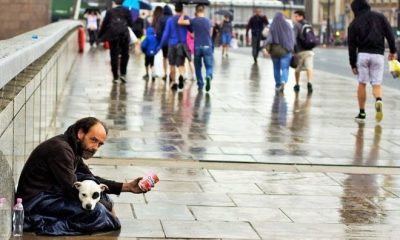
pixel 89 193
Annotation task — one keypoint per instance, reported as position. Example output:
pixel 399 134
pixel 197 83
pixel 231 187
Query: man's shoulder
pixel 56 143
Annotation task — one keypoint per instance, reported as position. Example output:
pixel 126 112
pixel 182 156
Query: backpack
pixel 307 37
pixel 118 25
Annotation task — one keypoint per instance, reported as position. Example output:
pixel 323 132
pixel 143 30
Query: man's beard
pixel 85 153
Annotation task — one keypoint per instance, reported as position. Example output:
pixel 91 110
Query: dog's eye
pixel 95 195
pixel 83 194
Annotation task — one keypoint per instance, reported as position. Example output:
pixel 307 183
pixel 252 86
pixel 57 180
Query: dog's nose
pixel 88 206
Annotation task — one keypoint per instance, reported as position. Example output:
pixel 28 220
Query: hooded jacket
pixel 53 167
pixel 367 32
pixel 150 43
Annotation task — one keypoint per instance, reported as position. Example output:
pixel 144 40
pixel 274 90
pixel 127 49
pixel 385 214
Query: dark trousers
pixel 255 44
pixel 119 46
pixel 92 37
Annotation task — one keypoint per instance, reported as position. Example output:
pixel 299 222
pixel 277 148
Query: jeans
pixel 205 53
pixel 281 69
pixel 119 46
pixel 255 44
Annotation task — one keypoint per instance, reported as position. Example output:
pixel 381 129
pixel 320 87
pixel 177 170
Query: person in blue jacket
pixel 174 36
pixel 149 48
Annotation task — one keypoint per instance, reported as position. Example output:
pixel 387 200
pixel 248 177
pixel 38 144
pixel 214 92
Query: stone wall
pixel 19 16
pixel 27 108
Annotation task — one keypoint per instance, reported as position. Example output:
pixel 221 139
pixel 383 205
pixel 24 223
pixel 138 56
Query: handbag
pixel 276 50
pixel 294 61
pixel 132 37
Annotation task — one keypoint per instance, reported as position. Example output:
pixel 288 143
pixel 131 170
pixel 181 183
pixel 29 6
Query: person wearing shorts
pixel 174 36
pixel 226 35
pixel 366 40
pixel 305 56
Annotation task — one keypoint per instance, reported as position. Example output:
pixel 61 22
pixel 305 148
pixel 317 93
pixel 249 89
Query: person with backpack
pixel 115 30
pixel 305 42
pixel 149 47
pixel 366 39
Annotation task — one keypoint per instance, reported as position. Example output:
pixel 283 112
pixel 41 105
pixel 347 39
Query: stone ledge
pixel 19 52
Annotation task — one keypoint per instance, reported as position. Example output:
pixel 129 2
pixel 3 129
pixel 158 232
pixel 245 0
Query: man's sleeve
pixel 104 24
pixel 165 35
pixel 61 163
pixel 389 35
pixel 249 24
pixel 352 42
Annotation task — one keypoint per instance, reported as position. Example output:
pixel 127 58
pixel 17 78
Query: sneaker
pixel 278 88
pixel 123 78
pixel 146 77
pixel 153 78
pixel 379 110
pixel 282 88
pixel 164 78
pixel 208 84
pixel 309 87
pixel 296 88
pixel 174 87
pixel 360 118
pixel 181 82
pixel 115 80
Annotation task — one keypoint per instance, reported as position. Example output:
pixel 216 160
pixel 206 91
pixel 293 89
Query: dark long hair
pixel 158 12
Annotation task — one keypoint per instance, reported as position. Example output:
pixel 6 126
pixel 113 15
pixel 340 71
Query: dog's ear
pixel 103 187
pixel 77 185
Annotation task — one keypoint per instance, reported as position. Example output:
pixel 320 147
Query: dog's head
pixel 89 193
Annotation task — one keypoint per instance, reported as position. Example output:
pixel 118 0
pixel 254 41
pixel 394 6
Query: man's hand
pixel 355 71
pixel 392 56
pixel 133 186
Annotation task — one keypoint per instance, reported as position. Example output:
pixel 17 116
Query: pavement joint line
pixel 245 166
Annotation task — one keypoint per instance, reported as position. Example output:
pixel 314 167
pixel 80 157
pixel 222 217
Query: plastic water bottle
pixel 4 222
pixel 18 218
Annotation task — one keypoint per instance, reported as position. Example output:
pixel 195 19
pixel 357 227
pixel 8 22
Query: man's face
pixel 92 140
pixel 258 12
pixel 298 18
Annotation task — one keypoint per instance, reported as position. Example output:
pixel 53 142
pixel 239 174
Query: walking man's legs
pixel 255 44
pixel 198 66
pixel 124 46
pixel 208 62
pixel 114 53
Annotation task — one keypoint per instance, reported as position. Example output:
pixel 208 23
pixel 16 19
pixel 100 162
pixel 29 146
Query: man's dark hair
pixel 300 13
pixel 86 123
pixel 118 2
pixel 200 8
pixel 178 7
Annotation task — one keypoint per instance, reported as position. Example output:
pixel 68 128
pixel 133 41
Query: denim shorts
pixel 226 38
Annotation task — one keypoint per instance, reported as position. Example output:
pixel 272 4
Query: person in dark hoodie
pixel 46 184
pixel 115 30
pixel 162 21
pixel 366 39
pixel 149 48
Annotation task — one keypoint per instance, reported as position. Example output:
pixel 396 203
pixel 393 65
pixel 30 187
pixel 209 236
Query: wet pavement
pixel 230 160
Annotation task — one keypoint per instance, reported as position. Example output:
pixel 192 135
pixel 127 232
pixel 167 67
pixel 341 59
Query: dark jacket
pixel 53 165
pixel 367 32
pixel 150 43
pixel 115 24
pixel 256 24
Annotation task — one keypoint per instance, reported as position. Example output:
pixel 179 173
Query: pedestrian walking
pixel 189 63
pixel 92 19
pixel 366 39
pixel 203 52
pixel 149 48
pixel 304 52
pixel 162 20
pixel 256 24
pixel 174 36
pixel 280 44
pixel 226 35
pixel 115 30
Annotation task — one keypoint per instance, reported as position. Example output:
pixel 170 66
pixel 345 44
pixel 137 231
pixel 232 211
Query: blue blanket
pixel 51 213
